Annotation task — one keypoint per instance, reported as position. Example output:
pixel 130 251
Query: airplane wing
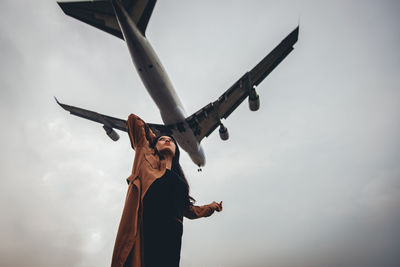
pixel 207 119
pixel 100 14
pixel 109 123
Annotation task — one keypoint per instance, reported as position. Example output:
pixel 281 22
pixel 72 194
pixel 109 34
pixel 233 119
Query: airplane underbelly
pixel 171 110
pixel 161 90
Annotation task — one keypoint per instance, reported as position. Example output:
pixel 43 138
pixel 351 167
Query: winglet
pixel 57 100
pixel 61 105
pixel 295 34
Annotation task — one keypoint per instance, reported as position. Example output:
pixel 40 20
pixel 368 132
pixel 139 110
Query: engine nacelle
pixel 223 132
pixel 111 133
pixel 254 100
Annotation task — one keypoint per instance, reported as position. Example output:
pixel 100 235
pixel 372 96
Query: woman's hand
pixel 216 206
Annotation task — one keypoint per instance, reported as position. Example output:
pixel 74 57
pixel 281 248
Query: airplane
pixel 127 20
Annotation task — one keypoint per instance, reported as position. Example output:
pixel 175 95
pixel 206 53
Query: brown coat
pixel 147 167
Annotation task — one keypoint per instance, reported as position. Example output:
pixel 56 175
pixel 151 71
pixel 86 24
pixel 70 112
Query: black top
pixel 166 198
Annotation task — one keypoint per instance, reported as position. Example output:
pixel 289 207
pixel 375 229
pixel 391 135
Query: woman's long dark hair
pixel 176 167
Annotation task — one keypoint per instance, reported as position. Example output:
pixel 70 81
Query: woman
pixel 150 230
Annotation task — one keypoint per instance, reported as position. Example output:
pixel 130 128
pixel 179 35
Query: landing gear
pixel 199 169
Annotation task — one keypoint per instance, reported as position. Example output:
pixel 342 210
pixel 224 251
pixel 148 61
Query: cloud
pixel 381 196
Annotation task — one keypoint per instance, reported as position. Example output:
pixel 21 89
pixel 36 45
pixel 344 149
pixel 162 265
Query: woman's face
pixel 165 145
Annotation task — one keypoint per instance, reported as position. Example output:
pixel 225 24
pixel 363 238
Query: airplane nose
pixel 199 158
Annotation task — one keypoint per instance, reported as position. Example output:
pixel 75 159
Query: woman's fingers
pixel 216 206
pixel 220 206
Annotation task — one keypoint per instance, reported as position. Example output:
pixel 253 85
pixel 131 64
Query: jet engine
pixel 223 132
pixel 254 100
pixel 111 133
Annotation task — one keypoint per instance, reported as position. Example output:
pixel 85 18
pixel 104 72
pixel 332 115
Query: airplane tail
pixel 100 14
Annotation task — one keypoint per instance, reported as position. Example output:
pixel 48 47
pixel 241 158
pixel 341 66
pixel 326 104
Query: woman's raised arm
pixel 195 212
pixel 139 132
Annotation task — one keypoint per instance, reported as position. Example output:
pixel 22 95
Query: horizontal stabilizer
pixel 100 14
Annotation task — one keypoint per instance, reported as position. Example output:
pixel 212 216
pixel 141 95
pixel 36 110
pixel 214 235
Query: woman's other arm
pixel 139 132
pixel 194 212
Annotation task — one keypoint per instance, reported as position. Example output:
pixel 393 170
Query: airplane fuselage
pixel 158 84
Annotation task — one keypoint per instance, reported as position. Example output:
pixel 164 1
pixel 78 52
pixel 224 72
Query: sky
pixel 311 179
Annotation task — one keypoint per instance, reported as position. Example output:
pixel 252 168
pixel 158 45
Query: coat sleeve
pixel 139 132
pixel 195 212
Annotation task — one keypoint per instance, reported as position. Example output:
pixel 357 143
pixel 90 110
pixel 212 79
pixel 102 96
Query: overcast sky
pixel 311 179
